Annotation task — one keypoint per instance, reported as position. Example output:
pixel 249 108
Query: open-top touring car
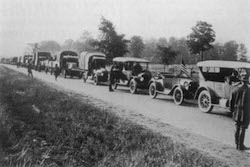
pixel 133 73
pixel 179 86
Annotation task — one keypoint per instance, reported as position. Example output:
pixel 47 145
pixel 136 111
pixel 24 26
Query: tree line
pixel 198 45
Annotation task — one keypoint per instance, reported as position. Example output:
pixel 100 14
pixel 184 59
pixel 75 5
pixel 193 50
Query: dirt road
pixel 215 126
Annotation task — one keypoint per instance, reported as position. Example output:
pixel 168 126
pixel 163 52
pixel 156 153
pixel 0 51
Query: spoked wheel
pixel 205 102
pixel 114 85
pixel 85 77
pixel 178 96
pixel 152 90
pixel 80 76
pixel 96 82
pixel 64 73
pixel 133 86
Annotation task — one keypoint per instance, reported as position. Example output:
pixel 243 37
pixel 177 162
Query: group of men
pixel 56 71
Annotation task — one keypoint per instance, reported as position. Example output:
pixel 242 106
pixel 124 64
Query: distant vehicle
pixel 213 89
pixel 69 64
pixel 94 65
pixel 26 59
pixel 134 73
pixel 14 60
pixel 39 59
pixel 180 87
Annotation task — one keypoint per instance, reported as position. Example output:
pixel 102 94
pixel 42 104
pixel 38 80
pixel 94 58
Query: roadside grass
pixel 41 126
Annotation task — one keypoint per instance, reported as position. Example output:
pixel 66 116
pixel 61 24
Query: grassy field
pixel 41 126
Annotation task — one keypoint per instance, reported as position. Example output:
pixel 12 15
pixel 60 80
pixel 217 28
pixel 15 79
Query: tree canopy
pixel 166 54
pixel 136 46
pixel 201 38
pixel 111 43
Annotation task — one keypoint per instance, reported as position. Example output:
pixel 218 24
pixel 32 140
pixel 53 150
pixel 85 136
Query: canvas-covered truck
pixel 40 57
pixel 26 59
pixel 69 64
pixel 94 65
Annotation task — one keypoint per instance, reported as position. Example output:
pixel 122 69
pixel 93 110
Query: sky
pixel 28 21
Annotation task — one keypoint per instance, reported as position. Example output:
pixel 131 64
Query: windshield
pixel 98 63
pixel 130 66
pixel 71 65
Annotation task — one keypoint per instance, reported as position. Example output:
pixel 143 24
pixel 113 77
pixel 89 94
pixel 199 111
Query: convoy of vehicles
pixel 94 65
pixel 180 87
pixel 69 64
pixel 216 81
pixel 134 73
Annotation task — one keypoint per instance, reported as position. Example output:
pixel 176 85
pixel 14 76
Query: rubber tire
pixel 85 76
pixel 115 85
pixel 80 76
pixel 152 86
pixel 96 82
pixel 133 86
pixel 178 92
pixel 65 74
pixel 204 102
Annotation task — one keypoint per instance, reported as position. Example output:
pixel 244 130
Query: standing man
pixel 113 76
pixel 56 71
pixel 30 70
pixel 240 107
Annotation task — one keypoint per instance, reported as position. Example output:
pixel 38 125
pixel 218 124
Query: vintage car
pixel 179 86
pixel 217 80
pixel 133 73
pixel 94 65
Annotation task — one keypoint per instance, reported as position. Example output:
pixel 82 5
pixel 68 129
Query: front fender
pixel 180 86
pixel 213 94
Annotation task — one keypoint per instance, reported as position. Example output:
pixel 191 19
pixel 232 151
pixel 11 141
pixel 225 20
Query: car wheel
pixel 152 90
pixel 115 84
pixel 80 76
pixel 96 82
pixel 178 96
pixel 133 86
pixel 65 73
pixel 85 76
pixel 205 102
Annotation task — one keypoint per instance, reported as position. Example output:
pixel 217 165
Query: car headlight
pixel 141 79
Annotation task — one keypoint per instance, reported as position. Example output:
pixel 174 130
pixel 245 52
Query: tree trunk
pixel 202 55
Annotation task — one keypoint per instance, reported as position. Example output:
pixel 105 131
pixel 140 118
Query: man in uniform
pixel 240 107
pixel 112 76
pixel 137 69
pixel 56 72
pixel 30 70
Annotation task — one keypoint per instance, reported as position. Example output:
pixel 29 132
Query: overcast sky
pixel 25 21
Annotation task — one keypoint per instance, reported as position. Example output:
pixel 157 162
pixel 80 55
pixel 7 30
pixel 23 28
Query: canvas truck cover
pixel 41 56
pixel 67 54
pixel 86 56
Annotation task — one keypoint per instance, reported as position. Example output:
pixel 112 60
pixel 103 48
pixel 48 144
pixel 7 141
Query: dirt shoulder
pixel 229 155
